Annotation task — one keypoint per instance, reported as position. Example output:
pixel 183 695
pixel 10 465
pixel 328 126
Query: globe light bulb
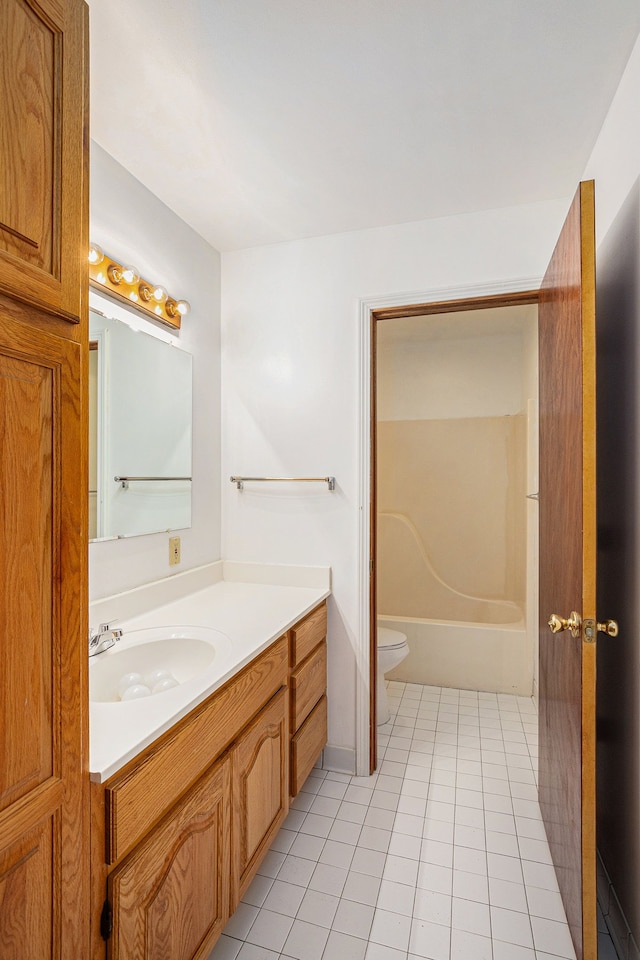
pixel 130 275
pixel 96 254
pixel 159 294
pixel 183 307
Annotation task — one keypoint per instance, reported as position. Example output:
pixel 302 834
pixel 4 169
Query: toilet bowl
pixel 392 649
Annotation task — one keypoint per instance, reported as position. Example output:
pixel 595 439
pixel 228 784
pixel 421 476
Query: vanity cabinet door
pixel 43 131
pixel 260 790
pixel 43 659
pixel 170 897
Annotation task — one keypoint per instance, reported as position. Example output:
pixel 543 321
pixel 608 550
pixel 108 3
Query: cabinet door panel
pixel 170 896
pixel 42 120
pixel 260 795
pixel 43 617
pixel 26 882
pixel 26 652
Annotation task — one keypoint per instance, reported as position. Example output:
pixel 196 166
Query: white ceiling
pixel 265 120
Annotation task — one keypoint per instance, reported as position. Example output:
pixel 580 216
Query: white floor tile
pixel 552 937
pixel 465 945
pixel 390 929
pixel 284 898
pixel 470 886
pixel 293 870
pixel 340 946
pixel 361 888
pixel 270 930
pixel 511 926
pixel 354 918
pixel 397 897
pixel 328 879
pixel 470 916
pixel 376 951
pixel 318 908
pixel 337 854
pixel 440 855
pixel 306 941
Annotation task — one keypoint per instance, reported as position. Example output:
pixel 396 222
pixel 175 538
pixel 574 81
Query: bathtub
pixel 493 657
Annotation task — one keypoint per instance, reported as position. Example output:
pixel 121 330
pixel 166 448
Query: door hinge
pixel 106 921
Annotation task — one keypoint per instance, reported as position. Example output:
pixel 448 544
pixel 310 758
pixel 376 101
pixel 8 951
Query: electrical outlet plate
pixel 174 551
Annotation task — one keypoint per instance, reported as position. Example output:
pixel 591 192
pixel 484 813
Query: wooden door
pixel 43 653
pixel 43 137
pixel 170 897
pixel 260 790
pixel 568 566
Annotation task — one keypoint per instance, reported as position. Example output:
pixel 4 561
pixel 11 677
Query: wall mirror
pixel 140 412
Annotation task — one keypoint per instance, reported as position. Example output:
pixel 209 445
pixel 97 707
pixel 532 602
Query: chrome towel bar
pixel 239 481
pixel 125 481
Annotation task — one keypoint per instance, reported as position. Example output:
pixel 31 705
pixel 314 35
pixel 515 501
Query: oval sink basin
pixel 150 662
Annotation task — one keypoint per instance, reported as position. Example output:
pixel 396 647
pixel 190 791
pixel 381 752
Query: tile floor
pixel 441 854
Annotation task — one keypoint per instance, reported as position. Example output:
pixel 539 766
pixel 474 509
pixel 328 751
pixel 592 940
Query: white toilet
pixel 392 649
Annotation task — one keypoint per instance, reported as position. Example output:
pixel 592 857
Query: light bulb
pixel 183 307
pixel 130 275
pixel 159 294
pixel 96 254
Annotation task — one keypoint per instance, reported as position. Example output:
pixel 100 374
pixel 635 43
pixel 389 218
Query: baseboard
pixel 617 925
pixel 339 759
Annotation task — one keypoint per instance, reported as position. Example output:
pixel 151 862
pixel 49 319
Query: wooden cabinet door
pixel 43 133
pixel 43 643
pixel 260 790
pixel 170 897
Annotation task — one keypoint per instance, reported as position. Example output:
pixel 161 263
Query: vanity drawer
pixel 307 744
pixel 308 684
pixel 137 799
pixel 308 633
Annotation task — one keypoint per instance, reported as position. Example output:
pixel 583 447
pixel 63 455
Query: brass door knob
pixel 573 623
pixel 610 627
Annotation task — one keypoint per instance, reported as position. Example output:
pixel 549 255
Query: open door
pixel 568 624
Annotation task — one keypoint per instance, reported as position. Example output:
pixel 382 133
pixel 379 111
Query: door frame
pixel 433 300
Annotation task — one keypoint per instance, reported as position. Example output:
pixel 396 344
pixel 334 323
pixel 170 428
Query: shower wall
pixel 451 466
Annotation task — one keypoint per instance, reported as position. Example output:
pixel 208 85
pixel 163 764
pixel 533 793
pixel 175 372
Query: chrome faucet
pixel 106 636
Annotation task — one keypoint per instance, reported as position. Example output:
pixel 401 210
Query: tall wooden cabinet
pixel 43 483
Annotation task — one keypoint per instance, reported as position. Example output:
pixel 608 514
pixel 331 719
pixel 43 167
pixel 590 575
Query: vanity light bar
pixel 125 283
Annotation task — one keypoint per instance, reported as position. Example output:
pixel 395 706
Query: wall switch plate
pixel 174 551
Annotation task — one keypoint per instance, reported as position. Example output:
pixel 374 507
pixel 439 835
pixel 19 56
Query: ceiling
pixel 258 121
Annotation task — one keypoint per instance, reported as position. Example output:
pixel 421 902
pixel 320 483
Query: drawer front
pixel 308 684
pixel 307 745
pixel 134 801
pixel 307 634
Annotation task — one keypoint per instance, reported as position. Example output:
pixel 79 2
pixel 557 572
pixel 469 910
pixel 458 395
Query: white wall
pixel 615 165
pixel 291 399
pixel 131 223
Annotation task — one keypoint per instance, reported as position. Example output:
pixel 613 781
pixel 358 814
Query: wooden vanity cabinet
pixel 260 763
pixel 179 832
pixel 308 701
pixel 171 896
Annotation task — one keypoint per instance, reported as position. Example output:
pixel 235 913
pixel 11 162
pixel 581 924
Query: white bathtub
pixel 493 657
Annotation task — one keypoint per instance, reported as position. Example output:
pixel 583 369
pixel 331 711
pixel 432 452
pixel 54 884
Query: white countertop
pixel 252 615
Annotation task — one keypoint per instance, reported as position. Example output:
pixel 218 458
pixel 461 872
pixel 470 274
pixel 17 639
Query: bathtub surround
pixel 451 515
pixel 452 475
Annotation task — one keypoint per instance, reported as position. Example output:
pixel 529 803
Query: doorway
pixel 397 422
